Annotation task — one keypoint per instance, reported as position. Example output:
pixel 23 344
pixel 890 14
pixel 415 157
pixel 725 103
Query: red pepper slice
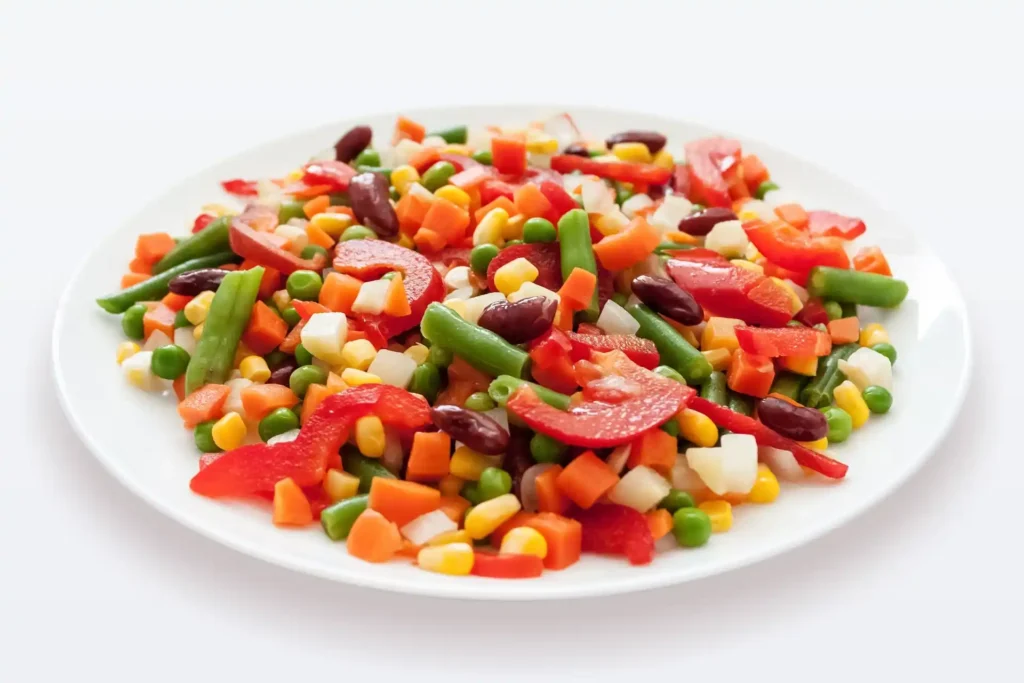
pixel 561 201
pixel 249 239
pixel 622 171
pixel 643 352
pixel 256 468
pixel 706 161
pixel 494 566
pixel 552 367
pixel 813 313
pixel 336 174
pixel 201 221
pixel 595 424
pixel 368 259
pixel 784 341
pixel 829 224
pixel 792 248
pixel 492 188
pixel 741 424
pixel 240 188
pixel 772 270
pixel 613 529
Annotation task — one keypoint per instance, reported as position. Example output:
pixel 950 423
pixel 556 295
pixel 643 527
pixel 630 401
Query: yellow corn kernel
pixel 254 369
pixel 873 334
pixel 697 428
pixel 720 333
pixel 457 305
pixel 748 215
pixel 358 354
pixel 766 486
pixel 406 241
pixel 524 540
pixel 355 378
pixel 455 195
pixel 454 148
pixel 340 485
pixel 513 229
pixel 490 514
pixel 450 485
pixel 241 353
pixel 752 254
pixel 370 438
pixel 611 223
pixel 229 431
pixel 197 309
pixel 217 210
pixel 512 275
pixel 332 223
pixel 126 350
pixel 197 331
pixel 747 265
pixel 664 159
pixel 801 365
pixel 281 298
pixel 719 358
pixel 458 536
pixel 295 175
pixel 404 176
pixel 467 464
pixel 632 151
pixel 848 398
pixel 720 512
pixel 820 445
pixel 540 143
pixel 454 559
pixel 491 227
pixel 418 352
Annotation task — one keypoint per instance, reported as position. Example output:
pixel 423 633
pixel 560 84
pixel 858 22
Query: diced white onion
pixel 618 458
pixel 462 293
pixel 614 319
pixel 728 239
pixel 324 335
pixel 296 235
pixel 427 526
pixel 284 437
pixel 778 198
pixel 298 222
pixel 392 458
pixel 435 141
pixel 404 151
pixel 597 196
pixel 684 477
pixel 673 209
pixel 499 415
pixel 729 468
pixel 528 486
pixel 457 277
pixel 635 203
pixel 371 297
pixel 137 369
pixel 760 209
pixel 528 289
pixel 475 306
pixel 563 129
pixel 641 489
pixel 233 404
pixel 782 463
pixel 571 181
pixel 420 191
pixel 801 293
pixel 186 338
pixel 156 339
pixel 866 367
pixel 393 368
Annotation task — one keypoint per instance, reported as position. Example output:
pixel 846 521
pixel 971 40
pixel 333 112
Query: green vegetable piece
pixel 456 135
pixel 546 449
pixel 675 351
pixel 305 375
pixel 440 356
pixel 840 424
pixel 275 359
pixel 504 386
pixel 290 316
pixel 878 398
pixel 357 232
pixel 169 362
pixel 620 299
pixel 386 172
pixel 671 427
pixel 691 526
pixel 483 349
pixel 367 469
pixel 818 392
pixel 479 401
pixel 596 152
pixel 437 175
pixel 697 208
pixel 277 422
pixel 670 373
pixel 887 350
pixel 340 199
pixel 389 276
pixel 394 194
pixel 512 243
pixel 155 288
pixel 715 388
pixel 291 208
pixel 483 157
pixel 764 188
pixel 677 500
pixel 180 320
pixel 131 321
pixel 622 193
pixel 426 381
pixel 849 309
pixel 738 403
pixel 788 384
pixel 303 356
pixel 578 252
pixel 203 437
pixel 311 250
pixel 833 310
pixel 213 239
pixel 368 157
pixel 304 285
pixel 481 257
pixel 855 287
pixel 539 230
pixel 471 492
pixel 494 482
pixel 338 519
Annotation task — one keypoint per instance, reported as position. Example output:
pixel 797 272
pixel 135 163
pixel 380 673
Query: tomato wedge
pixel 792 248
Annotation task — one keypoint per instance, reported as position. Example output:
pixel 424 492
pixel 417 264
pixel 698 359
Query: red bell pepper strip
pixel 240 188
pixel 813 313
pixel 792 248
pixel 249 237
pixel 369 259
pixel 552 366
pixel 613 529
pixel 492 188
pixel 336 174
pixel 256 468
pixel 495 566
pixel 681 180
pixel 772 270
pixel 741 424
pixel 561 201
pixel 829 224
pixel 454 256
pixel 201 221
pixel 783 341
pixel 596 424
pixel 706 160
pixel 643 352
pixel 622 171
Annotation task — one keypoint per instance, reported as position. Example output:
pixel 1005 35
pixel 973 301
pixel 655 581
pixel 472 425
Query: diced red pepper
pixel 783 341
pixel 454 256
pixel 622 171
pixel 829 224
pixel 706 161
pixel 595 424
pixel 544 255
pixel 552 367
pixel 643 352
pixel 492 188
pixel 335 174
pixel 561 201
pixel 240 188
pixel 251 238
pixel 495 566
pixel 612 529
pixel 772 270
pixel 471 177
pixel 681 180
pixel 587 328
pixel 201 221
pixel 369 259
pixel 754 172
pixel 871 260
pixel 795 249
pixel 813 313
pixel 742 424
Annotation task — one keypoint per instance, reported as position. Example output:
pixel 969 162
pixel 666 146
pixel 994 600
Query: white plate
pixel 139 437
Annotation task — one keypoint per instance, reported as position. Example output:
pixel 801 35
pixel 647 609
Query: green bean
pixel 788 384
pixel 669 373
pixel 833 309
pixel 578 252
pixel 818 393
pixel 229 313
pixel 212 239
pixel 437 175
pixel 291 209
pixel 440 356
pixel 715 389
pixel 675 351
pixel 483 349
pixel 738 403
pixel 456 135
pixel 764 188
pixel 665 247
pixel 338 519
pixel 155 288
pixel 855 287
pixel 849 310
pixel 504 386
pixel 483 157
pixel 671 428
pixel 426 381
pixel 366 469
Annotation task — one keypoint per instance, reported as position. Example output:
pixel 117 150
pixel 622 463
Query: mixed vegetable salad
pixel 491 350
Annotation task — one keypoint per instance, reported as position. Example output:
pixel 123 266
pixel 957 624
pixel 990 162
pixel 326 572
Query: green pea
pixel 426 381
pixel 878 398
pixel 305 375
pixel 471 492
pixel 512 243
pixel 357 232
pixel 290 316
pixel 170 361
pixel 691 526
pixel 544 448
pixel 494 482
pixel 394 193
pixel 203 436
pixel 887 350
pixel 764 188
pixel 596 152
pixel 304 285
pixel 671 427
pixel 303 356
pixel 275 359
pixel 311 250
pixel 277 422
pixel 291 209
pixel 389 276
pixel 131 321
pixel 840 424
pixel 670 373
pixel 481 257
pixel 676 500
pixel 622 194
pixel 368 157
pixel 440 357
pixel 697 208
pixel 437 175
pixel 539 230
pixel 620 299
pixel 479 401
pixel 833 310
pixel 483 157
pixel 180 320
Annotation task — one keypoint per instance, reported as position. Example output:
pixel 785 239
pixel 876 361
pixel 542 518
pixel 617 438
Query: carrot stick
pixel 396 302
pixel 578 289
pixel 655 449
pixel 549 496
pixel 316 205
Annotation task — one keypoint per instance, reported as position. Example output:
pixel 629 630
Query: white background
pixel 103 104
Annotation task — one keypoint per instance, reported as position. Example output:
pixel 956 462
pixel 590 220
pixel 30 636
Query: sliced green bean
pixel 675 351
pixel 715 389
pixel 156 287
pixel 788 384
pixel 483 349
pixel 855 287
pixel 212 239
pixel 578 252
pixel 818 393
pixel 738 403
pixel 504 386
pixel 338 519
pixel 366 469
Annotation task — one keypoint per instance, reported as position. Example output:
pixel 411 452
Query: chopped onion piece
pixel 371 297
pixel 393 457
pixel 614 319
pixel 393 368
pixel 284 437
pixel 641 489
pixel 673 209
pixel 635 203
pixel 782 463
pixel 463 293
pixel 427 526
pixel 618 458
pixel 475 306
pixel 157 338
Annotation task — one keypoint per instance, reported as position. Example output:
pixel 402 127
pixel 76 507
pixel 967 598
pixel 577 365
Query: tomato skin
pixel 830 224
pixel 613 529
pixel 729 291
pixel 783 341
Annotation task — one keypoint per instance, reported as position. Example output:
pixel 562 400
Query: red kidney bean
pixel 668 298
pixel 371 203
pixel 702 222
pixel 352 143
pixel 519 322
pixel 577 149
pixel 799 423
pixel 283 373
pixel 654 141
pixel 476 430
pixel 517 458
pixel 196 281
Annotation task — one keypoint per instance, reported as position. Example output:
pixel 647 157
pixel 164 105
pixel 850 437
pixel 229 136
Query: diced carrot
pixel 179 388
pixel 411 210
pixel 429 458
pixel 339 291
pixel 563 315
pixel 291 507
pixel 137 265
pixel 530 201
pixel 423 159
pixel 132 279
pixel 564 537
pixel 315 395
pixel 508 154
pixel 586 479
pixel 309 191
pixel 373 538
pixel 751 373
pixel 205 403
pixel 347 210
pixel 396 302
pixel 872 260
pixel 316 205
pixel 578 289
pixel 409 550
pixel 455 507
pixel 844 330
pixel 656 449
pixel 549 496
pixel 456 393
pixel 517 520
pixel 265 329
pixel 402 501
pixel 754 172
pixel 153 247
pixel 428 241
pixel 293 339
pixel 269 283
pixel 259 400
pixel 318 237
pixel 307 309
pixel 734 179
pixel 407 128
pixel 446 219
pixel 680 238
pixel 659 522
pixel 501 202
pixel 175 302
pixel 159 317
pixel 629 247
pixel 793 214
